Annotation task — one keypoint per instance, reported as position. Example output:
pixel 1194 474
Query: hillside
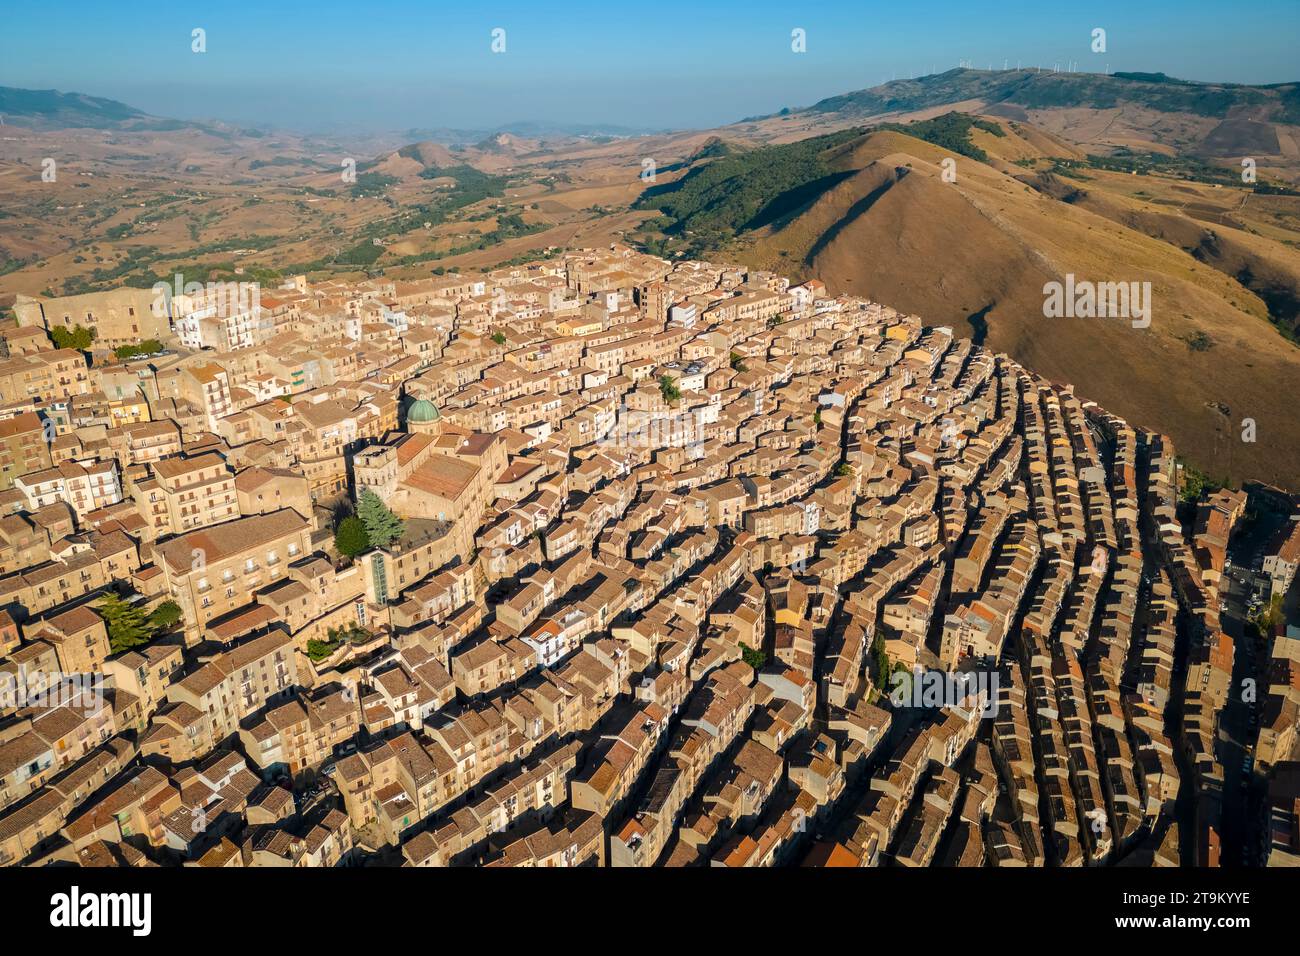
pixel 868 212
pixel 1035 89
pixel 1120 110
pixel 51 109
pixel 1056 174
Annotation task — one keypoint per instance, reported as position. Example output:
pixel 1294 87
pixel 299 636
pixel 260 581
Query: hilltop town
pixel 608 559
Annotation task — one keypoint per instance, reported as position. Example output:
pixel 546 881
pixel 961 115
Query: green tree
pixel 668 388
pixel 382 526
pixel 881 659
pixel 1269 617
pixel 350 537
pixel 126 623
pixel 166 615
pixel 76 338
pixel 352 632
pixel 1196 483
pixel 319 650
pixel 738 362
pixel 499 338
pixel 147 347
pixel 752 656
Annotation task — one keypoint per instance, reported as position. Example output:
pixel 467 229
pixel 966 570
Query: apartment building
pixel 212 571
pixel 24 447
pixel 197 492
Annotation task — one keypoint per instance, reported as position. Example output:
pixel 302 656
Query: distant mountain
pixel 538 130
pixel 528 129
pixel 51 109
pixel 1033 89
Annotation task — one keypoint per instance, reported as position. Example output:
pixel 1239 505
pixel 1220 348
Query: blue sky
pixel 335 66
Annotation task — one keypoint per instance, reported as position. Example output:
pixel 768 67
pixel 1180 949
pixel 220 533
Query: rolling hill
pixel 53 110
pixel 1119 110
pixel 1129 177
pixel 1040 89
pixel 869 212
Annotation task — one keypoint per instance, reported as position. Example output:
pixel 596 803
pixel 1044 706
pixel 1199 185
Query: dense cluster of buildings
pixel 681 544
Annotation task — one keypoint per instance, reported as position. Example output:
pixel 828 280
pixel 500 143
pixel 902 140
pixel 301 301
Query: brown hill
pixel 976 253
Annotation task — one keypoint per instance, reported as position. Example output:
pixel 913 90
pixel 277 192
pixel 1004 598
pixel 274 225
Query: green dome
pixel 422 410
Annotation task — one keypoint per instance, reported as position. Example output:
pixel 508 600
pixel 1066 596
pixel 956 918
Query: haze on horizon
pixel 335 66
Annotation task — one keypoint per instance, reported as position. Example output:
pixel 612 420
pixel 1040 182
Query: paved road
pixel 1243 828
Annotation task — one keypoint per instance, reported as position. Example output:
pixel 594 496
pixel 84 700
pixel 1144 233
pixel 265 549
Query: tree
pixel 881 659
pixel 499 338
pixel 126 623
pixel 147 347
pixel 350 537
pixel 1269 617
pixel 166 615
pixel 668 388
pixel 382 526
pixel 738 362
pixel 752 656
pixel 1196 483
pixel 75 338
pixel 317 651
pixel 352 632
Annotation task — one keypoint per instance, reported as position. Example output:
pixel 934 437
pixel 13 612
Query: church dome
pixel 422 411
